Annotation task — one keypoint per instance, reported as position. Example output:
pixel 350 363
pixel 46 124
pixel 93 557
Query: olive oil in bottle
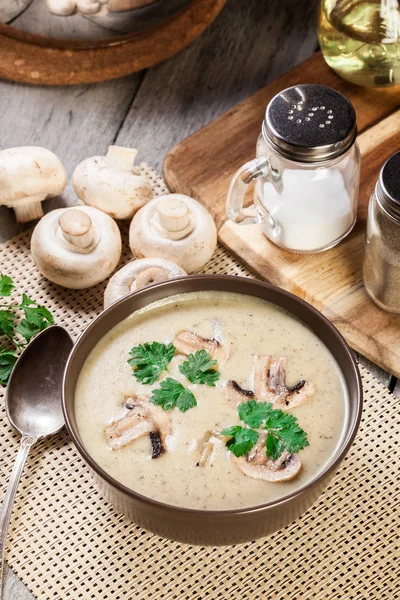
pixel 360 40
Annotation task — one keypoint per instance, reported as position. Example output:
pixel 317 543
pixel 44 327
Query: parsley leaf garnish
pixel 171 393
pixel 242 439
pixel 273 447
pixel 27 330
pixel 36 318
pixel 284 432
pixel 8 359
pixel 6 285
pixel 7 323
pixel 198 368
pixel 254 413
pixel 149 360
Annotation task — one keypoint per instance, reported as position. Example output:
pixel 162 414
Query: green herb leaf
pixel 27 330
pixel 8 359
pixel 284 432
pixel 285 427
pixel 198 368
pixel 6 285
pixel 149 360
pixel 254 413
pixel 242 439
pixel 36 319
pixel 26 301
pixel 7 323
pixel 171 393
pixel 36 315
pixel 274 447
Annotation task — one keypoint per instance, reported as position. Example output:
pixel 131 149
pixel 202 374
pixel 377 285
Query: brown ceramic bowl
pixel 212 527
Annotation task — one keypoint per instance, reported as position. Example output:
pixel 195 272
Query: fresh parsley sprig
pixel 171 393
pixel 8 358
pixel 241 439
pixel 6 285
pixel 284 432
pixel 149 360
pixel 36 319
pixel 199 368
pixel 18 332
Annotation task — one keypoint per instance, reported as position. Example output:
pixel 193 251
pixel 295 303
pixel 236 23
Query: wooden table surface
pixel 249 44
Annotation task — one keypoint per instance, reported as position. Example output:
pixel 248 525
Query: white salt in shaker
pixel 307 171
pixel 382 248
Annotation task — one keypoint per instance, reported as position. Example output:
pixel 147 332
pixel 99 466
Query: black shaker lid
pixel 310 123
pixel 389 178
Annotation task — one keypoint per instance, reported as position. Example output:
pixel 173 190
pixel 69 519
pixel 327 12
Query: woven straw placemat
pixel 66 543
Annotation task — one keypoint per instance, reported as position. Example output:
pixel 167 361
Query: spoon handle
pixel 27 442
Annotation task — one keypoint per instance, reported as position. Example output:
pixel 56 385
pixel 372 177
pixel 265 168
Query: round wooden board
pixel 31 63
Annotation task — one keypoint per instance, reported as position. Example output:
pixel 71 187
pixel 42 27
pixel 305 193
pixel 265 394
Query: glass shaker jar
pixel 306 171
pixel 382 249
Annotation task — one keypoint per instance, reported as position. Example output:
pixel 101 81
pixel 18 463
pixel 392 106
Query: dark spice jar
pixel 382 249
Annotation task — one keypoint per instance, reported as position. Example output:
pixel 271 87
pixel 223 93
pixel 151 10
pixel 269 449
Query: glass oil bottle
pixel 360 40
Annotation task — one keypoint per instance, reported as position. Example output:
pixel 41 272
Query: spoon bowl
pixel 33 402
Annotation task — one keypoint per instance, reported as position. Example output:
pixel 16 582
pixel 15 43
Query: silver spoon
pixel 33 405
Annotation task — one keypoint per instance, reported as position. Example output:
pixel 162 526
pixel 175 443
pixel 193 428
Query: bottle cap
pixel 388 186
pixel 310 123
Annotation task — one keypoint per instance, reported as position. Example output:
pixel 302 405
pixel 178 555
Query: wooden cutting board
pixel 203 164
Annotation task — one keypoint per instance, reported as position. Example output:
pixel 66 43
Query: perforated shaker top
pixel 310 123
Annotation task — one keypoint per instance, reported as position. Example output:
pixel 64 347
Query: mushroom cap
pixel 123 281
pixel 29 171
pixel 191 252
pixel 283 469
pixel 61 7
pixel 76 268
pixel 119 193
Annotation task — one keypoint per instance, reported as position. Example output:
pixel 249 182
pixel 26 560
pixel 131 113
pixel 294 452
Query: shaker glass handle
pixel 237 190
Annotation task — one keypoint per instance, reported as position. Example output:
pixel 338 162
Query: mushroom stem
pixel 30 209
pixel 121 158
pixel 173 219
pixel 77 228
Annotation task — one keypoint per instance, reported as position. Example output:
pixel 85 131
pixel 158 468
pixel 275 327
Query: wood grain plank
pixel 14 589
pixel 376 145
pixel 396 390
pixel 249 44
pixel 380 374
pixel 73 122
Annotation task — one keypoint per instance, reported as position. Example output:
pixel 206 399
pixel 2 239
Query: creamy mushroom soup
pixel 267 361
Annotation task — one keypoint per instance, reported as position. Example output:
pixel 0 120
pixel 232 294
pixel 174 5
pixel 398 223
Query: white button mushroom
pixel 88 7
pixel 174 227
pixel 138 274
pixel 29 175
pixel 65 8
pixel 61 8
pixel 112 183
pixel 76 247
